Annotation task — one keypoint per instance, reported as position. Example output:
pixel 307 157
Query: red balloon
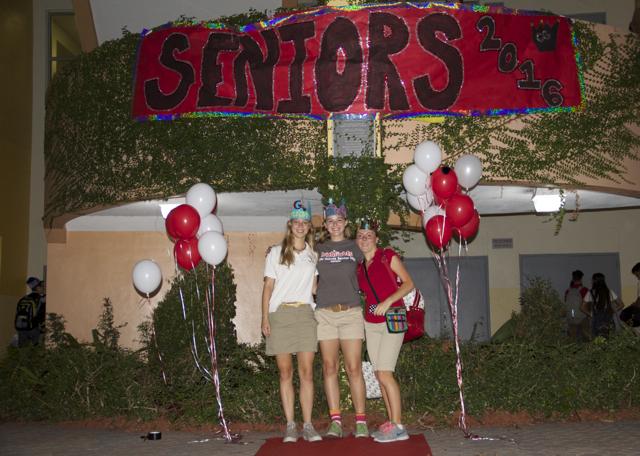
pixel 169 225
pixel 459 210
pixel 438 231
pixel 470 228
pixel 183 221
pixel 186 253
pixel 444 183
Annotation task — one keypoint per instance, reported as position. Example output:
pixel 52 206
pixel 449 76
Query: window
pixel 64 42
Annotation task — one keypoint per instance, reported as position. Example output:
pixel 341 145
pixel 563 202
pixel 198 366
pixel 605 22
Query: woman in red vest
pixel 378 278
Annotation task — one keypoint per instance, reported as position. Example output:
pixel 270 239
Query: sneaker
pixel 381 429
pixel 335 429
pixel 291 433
pixel 392 433
pixel 362 431
pixel 309 433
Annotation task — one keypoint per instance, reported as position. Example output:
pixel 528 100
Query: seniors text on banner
pixel 400 60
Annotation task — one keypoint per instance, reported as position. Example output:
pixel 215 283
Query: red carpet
pixel 416 445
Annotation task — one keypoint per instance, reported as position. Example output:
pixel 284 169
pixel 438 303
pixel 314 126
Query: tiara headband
pixel 331 209
pixel 299 212
pixel 368 224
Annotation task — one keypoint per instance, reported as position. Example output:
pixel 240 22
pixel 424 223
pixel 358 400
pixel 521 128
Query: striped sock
pixel 361 418
pixel 335 416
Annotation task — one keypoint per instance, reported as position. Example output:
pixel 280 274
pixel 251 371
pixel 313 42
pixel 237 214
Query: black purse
pixel 395 317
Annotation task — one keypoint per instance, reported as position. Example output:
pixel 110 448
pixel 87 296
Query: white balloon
pixel 420 202
pixel 208 223
pixel 430 212
pixel 469 170
pixel 202 197
pixel 427 156
pixel 212 247
pixel 414 180
pixel 146 276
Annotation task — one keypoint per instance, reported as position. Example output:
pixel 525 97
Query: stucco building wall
pixel 91 266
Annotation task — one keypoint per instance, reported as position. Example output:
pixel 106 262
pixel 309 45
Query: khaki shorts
pixel 293 330
pixel 347 324
pixel 383 347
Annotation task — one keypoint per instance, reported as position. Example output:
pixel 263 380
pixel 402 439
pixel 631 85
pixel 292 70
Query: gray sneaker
pixel 391 433
pixel 290 434
pixel 309 433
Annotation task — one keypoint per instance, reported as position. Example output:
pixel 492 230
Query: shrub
pixel 71 380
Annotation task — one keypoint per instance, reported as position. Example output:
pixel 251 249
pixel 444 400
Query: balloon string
pixel 452 302
pixel 193 342
pixel 213 354
pixel 155 342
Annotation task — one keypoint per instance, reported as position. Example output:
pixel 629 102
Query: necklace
pixel 299 250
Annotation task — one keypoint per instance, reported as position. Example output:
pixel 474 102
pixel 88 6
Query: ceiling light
pixel 547 203
pixel 165 208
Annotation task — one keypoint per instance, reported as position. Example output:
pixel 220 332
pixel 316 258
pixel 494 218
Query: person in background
pixel 578 323
pixel 378 278
pixel 31 314
pixel 631 314
pixel 635 270
pixel 339 316
pixel 288 321
pixel 600 304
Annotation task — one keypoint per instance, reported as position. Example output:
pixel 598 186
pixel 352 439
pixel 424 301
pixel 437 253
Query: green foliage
pixel 563 148
pixel 541 317
pixel 97 155
pixel 74 381
pixel 69 380
pixel 369 186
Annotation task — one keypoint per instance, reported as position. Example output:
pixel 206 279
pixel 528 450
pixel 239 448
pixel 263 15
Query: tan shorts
pixel 293 330
pixel 347 324
pixel 383 347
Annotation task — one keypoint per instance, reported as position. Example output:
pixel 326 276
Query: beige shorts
pixel 347 324
pixel 293 330
pixel 383 347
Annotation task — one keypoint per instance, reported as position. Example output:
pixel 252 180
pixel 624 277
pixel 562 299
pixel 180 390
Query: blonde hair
pixel 286 254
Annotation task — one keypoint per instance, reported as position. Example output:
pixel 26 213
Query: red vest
pixel 384 281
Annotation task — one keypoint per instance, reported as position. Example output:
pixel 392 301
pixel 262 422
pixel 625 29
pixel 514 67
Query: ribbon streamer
pixel 452 301
pixel 155 342
pixel 208 314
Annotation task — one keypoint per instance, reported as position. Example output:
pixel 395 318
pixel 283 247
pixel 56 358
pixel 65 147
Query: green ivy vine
pixel 97 156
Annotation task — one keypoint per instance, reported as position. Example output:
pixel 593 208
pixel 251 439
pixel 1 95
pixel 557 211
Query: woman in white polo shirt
pixel 288 321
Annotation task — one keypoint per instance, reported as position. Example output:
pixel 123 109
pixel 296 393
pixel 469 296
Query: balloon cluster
pixel 196 230
pixel 436 191
pixel 197 234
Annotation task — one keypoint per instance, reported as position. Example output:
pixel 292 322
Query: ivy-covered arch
pixel 97 156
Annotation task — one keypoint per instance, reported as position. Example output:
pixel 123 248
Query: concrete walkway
pixel 567 439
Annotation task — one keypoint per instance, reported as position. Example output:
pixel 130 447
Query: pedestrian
pixel 631 314
pixel 378 278
pixel 339 316
pixel 601 304
pixel 288 321
pixel 578 323
pixel 31 313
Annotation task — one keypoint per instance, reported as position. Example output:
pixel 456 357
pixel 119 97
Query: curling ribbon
pixel 213 355
pixel 155 342
pixel 452 301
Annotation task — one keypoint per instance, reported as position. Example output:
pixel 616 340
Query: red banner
pixel 399 60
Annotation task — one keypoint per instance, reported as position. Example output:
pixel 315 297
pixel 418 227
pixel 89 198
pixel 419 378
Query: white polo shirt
pixel 292 283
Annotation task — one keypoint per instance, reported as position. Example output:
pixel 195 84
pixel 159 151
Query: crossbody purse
pixel 395 317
